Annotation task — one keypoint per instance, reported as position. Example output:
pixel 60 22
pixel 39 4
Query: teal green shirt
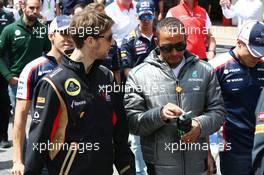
pixel 23 44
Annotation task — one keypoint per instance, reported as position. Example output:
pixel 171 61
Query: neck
pixel 56 54
pixel 80 55
pixel 235 50
pixel 127 5
pixel 27 22
pixel 146 31
pixel 190 4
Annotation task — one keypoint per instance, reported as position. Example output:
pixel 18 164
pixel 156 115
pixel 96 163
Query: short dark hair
pixel 170 23
pixel 91 23
pixel 1 4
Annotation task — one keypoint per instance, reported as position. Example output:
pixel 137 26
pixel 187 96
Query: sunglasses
pixel 167 48
pixel 107 38
pixel 146 17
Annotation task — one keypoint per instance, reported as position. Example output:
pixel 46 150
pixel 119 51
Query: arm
pixel 210 39
pixel 127 56
pixel 258 149
pixel 211 46
pixel 116 62
pixel 41 126
pixel 214 110
pixel 22 108
pixel 124 158
pixel 142 121
pixel 4 46
pixel 57 8
pixel 161 10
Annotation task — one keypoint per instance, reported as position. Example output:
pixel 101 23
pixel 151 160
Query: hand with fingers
pixel 170 111
pixel 193 134
pixel 18 168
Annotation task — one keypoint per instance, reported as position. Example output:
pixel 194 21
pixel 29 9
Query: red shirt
pixel 195 27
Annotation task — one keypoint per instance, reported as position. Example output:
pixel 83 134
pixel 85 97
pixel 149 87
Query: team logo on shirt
pixel 41 100
pixel 72 86
pixel 195 74
pixel 261 117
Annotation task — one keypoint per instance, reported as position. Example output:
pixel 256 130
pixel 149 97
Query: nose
pixel 174 52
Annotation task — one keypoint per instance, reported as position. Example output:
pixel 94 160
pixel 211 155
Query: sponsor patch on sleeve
pixel 41 100
pixel 259 129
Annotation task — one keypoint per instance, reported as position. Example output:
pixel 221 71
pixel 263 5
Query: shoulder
pixel 33 66
pixel 106 73
pixel 111 8
pixel 130 37
pixel 221 60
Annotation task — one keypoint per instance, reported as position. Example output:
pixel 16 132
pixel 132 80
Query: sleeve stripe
pixel 55 124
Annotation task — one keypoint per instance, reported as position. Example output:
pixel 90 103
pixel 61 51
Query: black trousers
pixel 4 109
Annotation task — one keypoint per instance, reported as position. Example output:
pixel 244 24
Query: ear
pixel 89 41
pixel 51 36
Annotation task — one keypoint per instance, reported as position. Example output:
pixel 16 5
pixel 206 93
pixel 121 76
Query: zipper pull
pixel 178 89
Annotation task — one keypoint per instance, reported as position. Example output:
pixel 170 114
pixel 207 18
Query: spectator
pixel 240 74
pixel 29 78
pixel 48 10
pixel 170 82
pixel 168 4
pixel 68 5
pixel 141 41
pixel 258 149
pixel 123 12
pixel 24 40
pixel 198 24
pixel 134 49
pixel 159 9
pixel 6 18
pixel 244 10
pixel 92 123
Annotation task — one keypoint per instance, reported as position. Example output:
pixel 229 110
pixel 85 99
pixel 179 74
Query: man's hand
pixel 193 134
pixel 170 111
pixel 211 163
pixel 160 17
pixel 13 81
pixel 18 168
pixel 225 3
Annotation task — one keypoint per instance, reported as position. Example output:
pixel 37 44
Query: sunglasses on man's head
pixel 181 46
pixel 146 17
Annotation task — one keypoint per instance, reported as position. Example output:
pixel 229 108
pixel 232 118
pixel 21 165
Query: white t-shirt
pixel 48 9
pixel 178 68
pixel 244 10
pixel 125 20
